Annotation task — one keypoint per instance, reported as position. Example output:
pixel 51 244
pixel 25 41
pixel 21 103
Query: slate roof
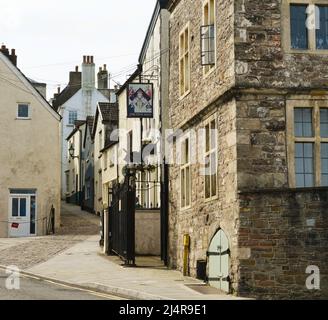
pixel 109 111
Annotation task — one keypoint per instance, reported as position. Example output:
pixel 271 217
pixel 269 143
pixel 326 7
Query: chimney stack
pixel 88 73
pixel 103 78
pixel 75 77
pixel 11 56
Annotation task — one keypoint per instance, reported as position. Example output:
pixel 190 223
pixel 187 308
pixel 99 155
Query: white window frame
pixel 69 117
pixel 28 108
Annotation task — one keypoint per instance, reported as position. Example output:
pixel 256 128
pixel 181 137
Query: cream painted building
pixel 75 168
pixel 29 155
pixel 105 153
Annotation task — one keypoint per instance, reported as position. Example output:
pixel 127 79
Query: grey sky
pixel 51 37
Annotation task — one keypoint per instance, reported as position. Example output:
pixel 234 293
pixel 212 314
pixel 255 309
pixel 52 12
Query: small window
pixel 72 117
pixel 23 111
pixel 298 27
pixel 322 32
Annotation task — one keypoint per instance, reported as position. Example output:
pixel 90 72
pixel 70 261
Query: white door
pixel 19 216
pixel 219 256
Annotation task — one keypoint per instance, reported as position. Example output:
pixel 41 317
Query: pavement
pixel 76 260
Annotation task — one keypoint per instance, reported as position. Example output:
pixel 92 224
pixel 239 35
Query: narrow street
pixel 76 226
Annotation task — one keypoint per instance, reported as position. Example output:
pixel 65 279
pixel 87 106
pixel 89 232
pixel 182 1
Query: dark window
pixel 15 207
pixel 23 111
pixel 303 122
pixel 322 32
pixel 22 207
pixel 304 165
pixel 324 164
pixel 208 45
pixel 33 207
pixel 324 122
pixel 299 33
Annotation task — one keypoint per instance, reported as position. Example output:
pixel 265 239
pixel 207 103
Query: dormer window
pixel 23 111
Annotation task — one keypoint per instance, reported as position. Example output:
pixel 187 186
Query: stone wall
pixel 261 140
pixel 286 231
pixel 204 218
pixel 204 89
pixel 263 52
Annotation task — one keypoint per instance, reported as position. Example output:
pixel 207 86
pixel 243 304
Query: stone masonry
pixel 275 231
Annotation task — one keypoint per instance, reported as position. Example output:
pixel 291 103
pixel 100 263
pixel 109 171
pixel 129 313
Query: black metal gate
pixel 121 222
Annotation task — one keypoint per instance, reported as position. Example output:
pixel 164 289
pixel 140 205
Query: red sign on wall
pixel 15 225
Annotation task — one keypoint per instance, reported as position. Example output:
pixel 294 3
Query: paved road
pixel 34 289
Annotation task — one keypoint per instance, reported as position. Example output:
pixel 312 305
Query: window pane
pixel 299 34
pixel 207 138
pixel 32 223
pixel 213 135
pixel 188 186
pixel 207 186
pixel 23 111
pixel 214 177
pixel 324 122
pixel 183 192
pixel 303 122
pixel 14 207
pixel 308 150
pixel 22 207
pixel 324 164
pixel 299 165
pixel 309 180
pixel 304 165
pixel 322 32
pixel 324 180
pixel 300 181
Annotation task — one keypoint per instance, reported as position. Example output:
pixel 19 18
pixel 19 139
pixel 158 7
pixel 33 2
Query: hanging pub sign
pixel 140 100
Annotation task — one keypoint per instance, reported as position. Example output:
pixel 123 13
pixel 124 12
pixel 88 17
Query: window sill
pixel 307 51
pixel 24 119
pixel 184 95
pixel 209 72
pixel 214 198
pixel 185 208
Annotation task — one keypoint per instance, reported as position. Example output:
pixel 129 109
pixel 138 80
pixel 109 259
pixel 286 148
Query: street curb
pixel 115 291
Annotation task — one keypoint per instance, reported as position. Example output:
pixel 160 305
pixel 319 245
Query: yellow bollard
pixel 186 245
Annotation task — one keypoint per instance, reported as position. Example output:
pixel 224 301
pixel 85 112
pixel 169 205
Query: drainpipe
pixel 186 248
pixel 80 193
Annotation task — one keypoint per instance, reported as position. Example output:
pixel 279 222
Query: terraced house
pixel 253 75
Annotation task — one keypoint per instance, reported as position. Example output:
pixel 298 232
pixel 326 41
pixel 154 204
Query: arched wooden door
pixel 219 262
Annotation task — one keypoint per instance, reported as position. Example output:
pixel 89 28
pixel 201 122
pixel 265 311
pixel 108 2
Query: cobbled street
pixel 76 226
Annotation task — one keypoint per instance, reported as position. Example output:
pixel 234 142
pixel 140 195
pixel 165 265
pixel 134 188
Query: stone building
pixel 254 78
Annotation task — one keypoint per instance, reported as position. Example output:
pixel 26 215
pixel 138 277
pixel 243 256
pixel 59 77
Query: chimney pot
pixel 100 69
pixel 84 59
pixel 91 59
pixel 13 52
pixel 105 67
pixel 58 90
pixel 77 69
